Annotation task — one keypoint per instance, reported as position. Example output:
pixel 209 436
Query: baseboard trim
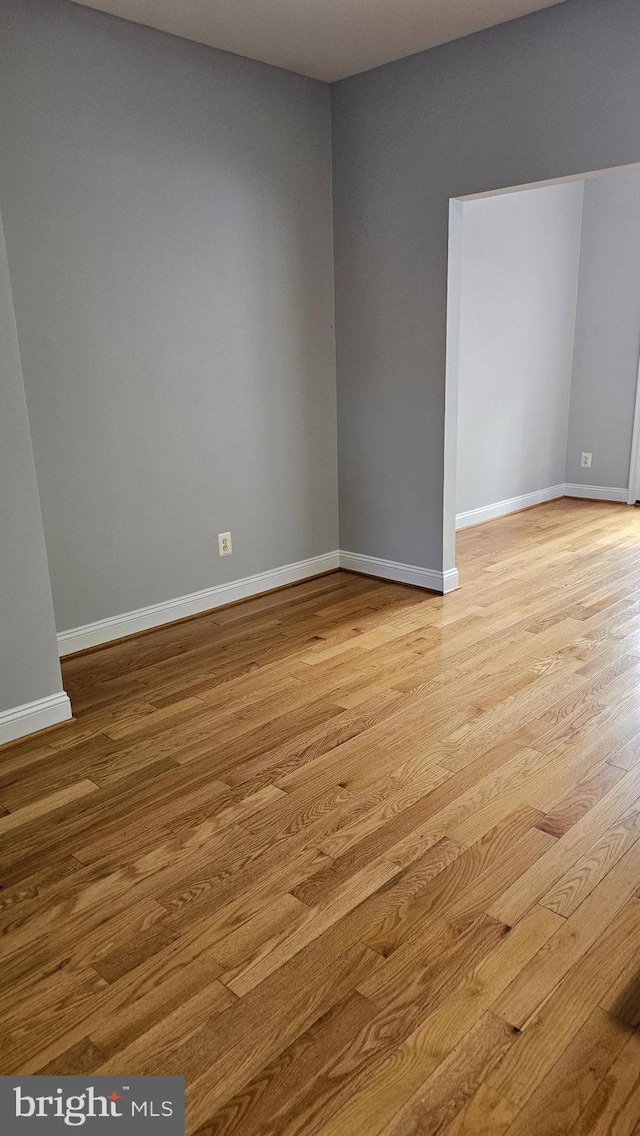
pixel 34 716
pixel 450 580
pixel 510 505
pixel 155 615
pixel 401 573
pixel 596 492
pixel 197 603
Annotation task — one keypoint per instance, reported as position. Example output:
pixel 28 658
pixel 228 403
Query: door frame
pixel 452 361
pixel 633 488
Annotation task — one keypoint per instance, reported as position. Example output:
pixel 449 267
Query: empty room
pixel 548 333
pixel 320 567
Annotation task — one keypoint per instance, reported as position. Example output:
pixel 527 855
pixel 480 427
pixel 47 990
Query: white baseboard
pixel 596 492
pixel 401 573
pixel 526 500
pixel 130 622
pixel 33 716
pixel 155 615
pixel 510 505
pixel 450 580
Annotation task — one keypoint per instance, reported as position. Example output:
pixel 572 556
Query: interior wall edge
pixel 20 721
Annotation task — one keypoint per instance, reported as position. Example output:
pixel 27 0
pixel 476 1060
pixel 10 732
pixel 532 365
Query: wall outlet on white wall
pixel 585 461
pixel 225 547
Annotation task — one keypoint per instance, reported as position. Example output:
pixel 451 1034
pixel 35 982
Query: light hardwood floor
pixel 351 857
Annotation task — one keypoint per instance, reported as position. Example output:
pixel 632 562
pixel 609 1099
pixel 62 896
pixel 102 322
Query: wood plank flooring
pixel 352 857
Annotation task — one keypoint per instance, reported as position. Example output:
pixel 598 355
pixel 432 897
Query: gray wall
pixel 168 221
pixel 518 304
pixel 555 93
pixel 29 667
pixel 607 337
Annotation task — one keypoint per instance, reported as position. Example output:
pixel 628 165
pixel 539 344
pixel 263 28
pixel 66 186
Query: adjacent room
pixel 549 341
pixel 320 567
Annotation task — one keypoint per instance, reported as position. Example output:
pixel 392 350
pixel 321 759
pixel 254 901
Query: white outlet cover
pixel 225 547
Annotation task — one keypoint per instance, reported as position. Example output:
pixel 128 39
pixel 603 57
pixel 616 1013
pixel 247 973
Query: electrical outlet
pixel 225 547
pixel 585 461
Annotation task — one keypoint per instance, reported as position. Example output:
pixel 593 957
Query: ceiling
pixel 326 39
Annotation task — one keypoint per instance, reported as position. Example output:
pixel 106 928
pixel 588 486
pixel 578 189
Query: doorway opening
pixel 543 347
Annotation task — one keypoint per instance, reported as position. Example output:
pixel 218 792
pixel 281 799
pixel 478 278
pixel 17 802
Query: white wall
pixel 520 257
pixel 607 334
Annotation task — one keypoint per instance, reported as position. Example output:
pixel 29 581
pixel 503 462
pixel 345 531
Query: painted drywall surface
pixel 168 221
pixel 607 335
pixel 553 94
pixel 29 667
pixel 518 304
